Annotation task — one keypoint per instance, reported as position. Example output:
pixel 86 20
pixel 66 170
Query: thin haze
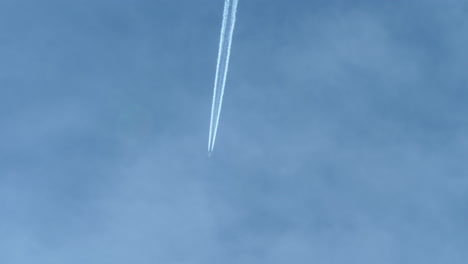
pixel 227 30
pixel 347 138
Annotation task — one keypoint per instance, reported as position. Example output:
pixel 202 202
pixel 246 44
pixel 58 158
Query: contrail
pixel 229 20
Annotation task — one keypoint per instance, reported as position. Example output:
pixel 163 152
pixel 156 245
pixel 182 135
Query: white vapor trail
pixel 229 20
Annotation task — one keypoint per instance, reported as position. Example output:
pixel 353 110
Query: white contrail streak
pixel 224 52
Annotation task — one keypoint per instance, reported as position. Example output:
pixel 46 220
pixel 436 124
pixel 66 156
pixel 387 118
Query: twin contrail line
pixel 227 30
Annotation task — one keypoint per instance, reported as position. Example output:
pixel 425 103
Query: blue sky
pixel 343 135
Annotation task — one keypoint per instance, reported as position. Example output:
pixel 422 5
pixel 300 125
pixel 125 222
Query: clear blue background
pixel 343 135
